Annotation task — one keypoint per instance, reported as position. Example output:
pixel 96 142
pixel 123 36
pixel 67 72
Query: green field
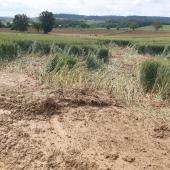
pixel 151 28
pixel 27 42
pixel 75 40
pixel 44 37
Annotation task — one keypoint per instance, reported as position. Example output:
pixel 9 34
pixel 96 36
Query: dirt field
pixel 68 129
pixel 87 32
pixel 116 33
pixel 6 30
pixel 105 32
pixel 92 32
pixel 101 32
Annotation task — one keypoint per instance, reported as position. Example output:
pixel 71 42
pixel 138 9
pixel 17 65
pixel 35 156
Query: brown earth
pixel 6 30
pixel 114 33
pixel 101 32
pixel 87 32
pixel 73 31
pixel 44 129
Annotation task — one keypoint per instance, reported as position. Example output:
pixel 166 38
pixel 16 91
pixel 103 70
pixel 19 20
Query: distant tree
pixel 118 27
pixel 8 25
pixel 157 26
pixel 47 21
pixel 20 22
pixel 133 25
pixel 108 27
pixel 84 25
pixel 37 26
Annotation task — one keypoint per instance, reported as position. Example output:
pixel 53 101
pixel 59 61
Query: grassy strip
pixel 11 49
pixel 27 43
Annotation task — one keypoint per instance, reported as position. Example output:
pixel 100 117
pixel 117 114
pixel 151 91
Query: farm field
pixel 74 100
pixel 150 28
pixel 89 32
pixel 84 85
pixel 65 36
pixel 70 122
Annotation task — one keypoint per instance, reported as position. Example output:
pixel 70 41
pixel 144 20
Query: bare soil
pixel 101 32
pixel 87 32
pixel 45 129
pixel 113 33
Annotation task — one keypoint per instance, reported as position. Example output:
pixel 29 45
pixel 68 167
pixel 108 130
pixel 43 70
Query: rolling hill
pixel 112 17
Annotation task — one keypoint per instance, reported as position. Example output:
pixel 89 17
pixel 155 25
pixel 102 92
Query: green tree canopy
pixel 47 21
pixel 37 26
pixel 157 26
pixel 133 25
pixel 118 27
pixel 20 22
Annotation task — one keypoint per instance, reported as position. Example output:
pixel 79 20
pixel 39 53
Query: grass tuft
pixel 154 75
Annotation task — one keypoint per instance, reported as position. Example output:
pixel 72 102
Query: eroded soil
pixel 43 129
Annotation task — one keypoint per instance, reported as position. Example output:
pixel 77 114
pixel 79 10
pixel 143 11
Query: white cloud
pixel 88 7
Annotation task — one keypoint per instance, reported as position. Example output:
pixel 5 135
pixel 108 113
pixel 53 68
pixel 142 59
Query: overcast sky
pixel 87 7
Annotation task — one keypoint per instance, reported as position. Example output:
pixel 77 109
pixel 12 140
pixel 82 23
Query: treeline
pixel 115 18
pixel 132 24
pixel 44 23
pixel 71 24
pixel 111 21
pixel 47 21
pixel 124 23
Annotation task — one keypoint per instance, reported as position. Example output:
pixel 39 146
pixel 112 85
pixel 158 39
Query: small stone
pixel 128 158
pixel 126 137
pixel 112 156
pixel 68 136
pixel 164 153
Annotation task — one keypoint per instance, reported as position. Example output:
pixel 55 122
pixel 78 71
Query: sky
pixel 86 7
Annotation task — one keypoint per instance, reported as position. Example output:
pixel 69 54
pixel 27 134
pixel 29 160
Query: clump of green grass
pixel 92 63
pixel 8 51
pixel 24 46
pixel 103 54
pixel 150 49
pixel 58 61
pixel 41 47
pixel 51 64
pixel 154 76
pixel 85 51
pixel 162 83
pixel 75 50
pixel 148 74
pixel 166 53
pixel 89 50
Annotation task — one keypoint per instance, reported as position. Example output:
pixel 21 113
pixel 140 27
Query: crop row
pixel 10 49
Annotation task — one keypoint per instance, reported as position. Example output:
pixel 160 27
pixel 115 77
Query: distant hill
pixel 5 18
pixel 165 20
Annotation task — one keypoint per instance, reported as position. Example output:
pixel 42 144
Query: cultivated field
pixel 87 36
pixel 84 100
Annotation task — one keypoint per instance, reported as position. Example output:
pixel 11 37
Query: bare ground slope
pixel 41 129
